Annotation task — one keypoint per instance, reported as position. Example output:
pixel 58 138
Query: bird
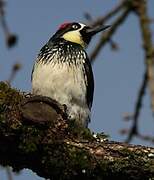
pixel 62 70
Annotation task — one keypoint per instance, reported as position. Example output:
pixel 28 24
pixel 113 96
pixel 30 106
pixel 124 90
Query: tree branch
pixel 106 36
pixel 141 10
pixel 138 105
pixel 101 20
pixel 11 39
pixel 36 134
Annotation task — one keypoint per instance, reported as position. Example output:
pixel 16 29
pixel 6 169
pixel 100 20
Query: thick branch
pixel 36 134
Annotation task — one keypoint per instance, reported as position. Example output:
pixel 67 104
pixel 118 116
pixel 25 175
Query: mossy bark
pixel 36 134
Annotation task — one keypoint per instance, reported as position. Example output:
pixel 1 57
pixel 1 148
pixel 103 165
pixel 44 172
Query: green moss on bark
pixel 9 106
pixel 60 149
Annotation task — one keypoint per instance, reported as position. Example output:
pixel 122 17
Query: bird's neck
pixel 73 42
pixel 67 51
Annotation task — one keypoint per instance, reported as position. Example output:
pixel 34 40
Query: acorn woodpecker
pixel 62 70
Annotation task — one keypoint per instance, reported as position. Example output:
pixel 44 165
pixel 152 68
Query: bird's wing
pixel 89 82
pixel 42 56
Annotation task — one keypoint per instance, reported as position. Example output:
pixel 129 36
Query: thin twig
pixel 138 105
pixel 11 39
pixel 106 37
pixel 110 14
pixel 88 17
pixel 15 68
pixel 143 17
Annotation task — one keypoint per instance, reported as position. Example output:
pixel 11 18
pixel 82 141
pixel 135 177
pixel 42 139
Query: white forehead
pixel 82 25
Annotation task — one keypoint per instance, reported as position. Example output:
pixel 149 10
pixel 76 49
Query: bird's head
pixel 77 32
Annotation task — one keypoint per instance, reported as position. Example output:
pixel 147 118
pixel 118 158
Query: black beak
pixel 94 30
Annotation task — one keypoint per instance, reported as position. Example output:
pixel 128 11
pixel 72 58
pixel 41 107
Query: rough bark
pixel 36 134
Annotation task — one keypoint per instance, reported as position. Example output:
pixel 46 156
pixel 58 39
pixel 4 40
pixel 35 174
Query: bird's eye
pixel 74 26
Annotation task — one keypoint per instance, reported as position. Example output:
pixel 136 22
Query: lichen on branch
pixel 57 148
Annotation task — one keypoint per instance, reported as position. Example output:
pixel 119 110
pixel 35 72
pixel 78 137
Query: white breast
pixel 63 83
